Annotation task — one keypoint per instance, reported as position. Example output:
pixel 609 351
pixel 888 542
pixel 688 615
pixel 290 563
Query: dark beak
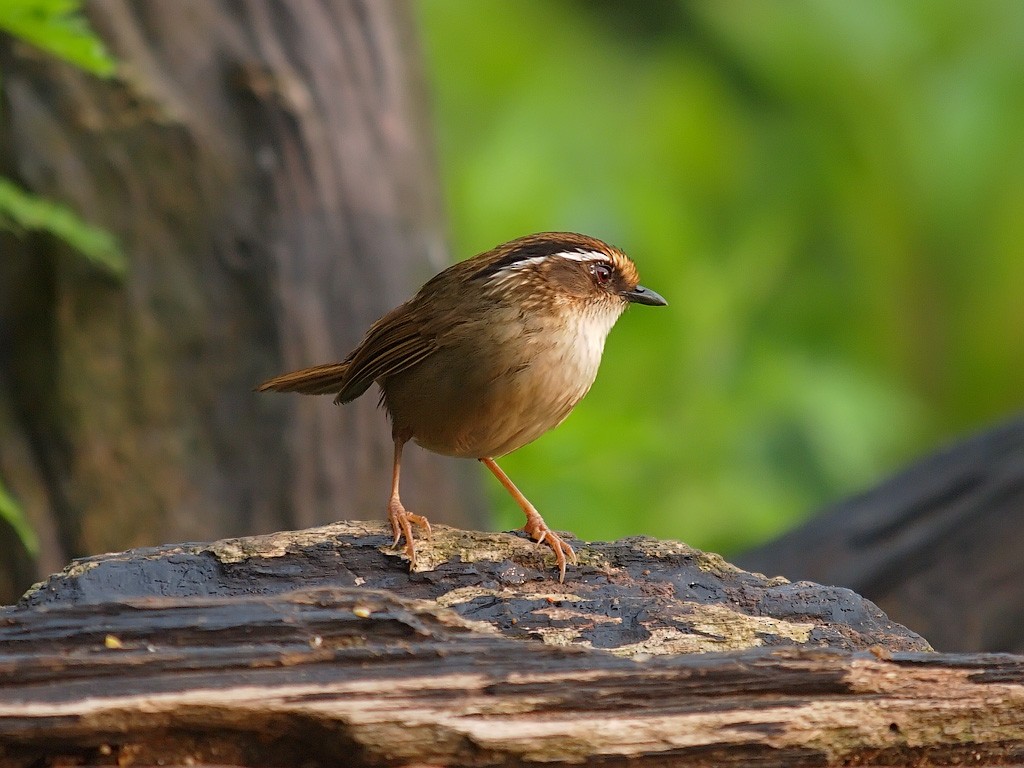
pixel 641 295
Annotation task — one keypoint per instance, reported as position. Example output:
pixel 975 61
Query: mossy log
pixel 319 647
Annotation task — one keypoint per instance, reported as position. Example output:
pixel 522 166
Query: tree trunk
pixel 267 168
pixel 320 648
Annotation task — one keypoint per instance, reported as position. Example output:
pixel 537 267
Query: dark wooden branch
pixel 937 546
pixel 318 647
pixel 637 595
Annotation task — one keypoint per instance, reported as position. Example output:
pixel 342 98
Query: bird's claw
pixel 402 521
pixel 538 530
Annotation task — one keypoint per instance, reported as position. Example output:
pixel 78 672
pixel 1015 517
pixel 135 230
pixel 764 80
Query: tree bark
pixel 320 648
pixel 267 168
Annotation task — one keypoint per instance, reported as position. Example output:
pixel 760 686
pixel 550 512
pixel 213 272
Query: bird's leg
pixel 535 526
pixel 399 517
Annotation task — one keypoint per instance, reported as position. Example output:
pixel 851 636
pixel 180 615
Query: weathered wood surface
pixel 937 546
pixel 319 648
pixel 636 595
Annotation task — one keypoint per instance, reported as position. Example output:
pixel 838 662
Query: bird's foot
pixel 538 530
pixel 402 521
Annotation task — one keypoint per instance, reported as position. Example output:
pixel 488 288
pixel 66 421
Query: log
pixel 319 647
pixel 937 546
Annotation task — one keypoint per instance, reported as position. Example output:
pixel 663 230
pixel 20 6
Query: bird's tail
pixel 319 380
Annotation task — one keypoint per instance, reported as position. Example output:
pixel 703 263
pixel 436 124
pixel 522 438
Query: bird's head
pixel 564 269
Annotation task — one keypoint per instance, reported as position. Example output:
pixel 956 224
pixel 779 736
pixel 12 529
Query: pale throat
pixel 585 334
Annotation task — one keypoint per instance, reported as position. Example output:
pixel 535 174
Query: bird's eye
pixel 602 273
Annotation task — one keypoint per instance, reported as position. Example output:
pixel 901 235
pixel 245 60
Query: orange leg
pixel 399 517
pixel 535 526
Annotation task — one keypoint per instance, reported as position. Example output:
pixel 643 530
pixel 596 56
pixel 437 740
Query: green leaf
pixel 12 512
pixel 22 210
pixel 58 27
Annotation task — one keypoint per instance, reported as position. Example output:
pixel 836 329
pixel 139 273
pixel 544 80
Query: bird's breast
pixel 496 389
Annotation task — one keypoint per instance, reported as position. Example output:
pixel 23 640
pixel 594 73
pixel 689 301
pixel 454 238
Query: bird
pixel 490 354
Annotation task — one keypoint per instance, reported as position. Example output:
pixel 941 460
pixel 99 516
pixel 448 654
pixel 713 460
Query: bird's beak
pixel 641 295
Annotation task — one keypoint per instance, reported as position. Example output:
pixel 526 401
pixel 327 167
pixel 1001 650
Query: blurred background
pixel 829 195
pixel 196 195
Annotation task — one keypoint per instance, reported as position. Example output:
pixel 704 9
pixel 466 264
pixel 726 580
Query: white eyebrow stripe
pixel 571 255
pixel 583 255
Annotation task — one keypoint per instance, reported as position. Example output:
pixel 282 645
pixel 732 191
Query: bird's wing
pixel 394 343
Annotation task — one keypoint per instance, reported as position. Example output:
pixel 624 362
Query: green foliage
pixel 21 210
pixel 12 513
pixel 827 193
pixel 57 27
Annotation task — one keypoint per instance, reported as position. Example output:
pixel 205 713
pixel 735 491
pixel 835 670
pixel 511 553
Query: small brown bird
pixel 489 355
